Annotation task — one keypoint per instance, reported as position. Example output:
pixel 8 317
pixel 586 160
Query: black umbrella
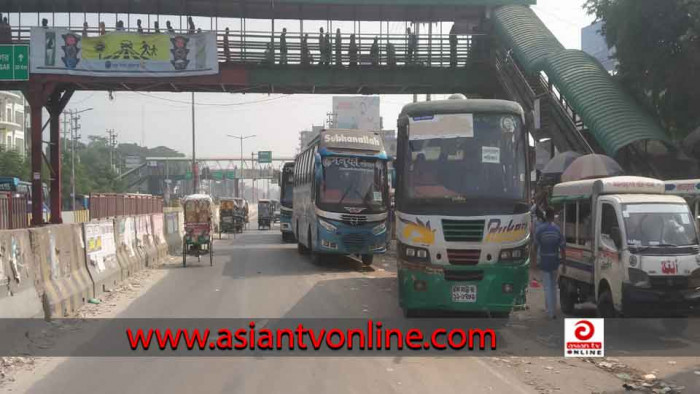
pixel 551 173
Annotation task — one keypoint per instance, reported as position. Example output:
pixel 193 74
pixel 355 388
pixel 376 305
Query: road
pixel 256 275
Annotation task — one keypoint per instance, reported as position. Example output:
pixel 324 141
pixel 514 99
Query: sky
pixel 154 119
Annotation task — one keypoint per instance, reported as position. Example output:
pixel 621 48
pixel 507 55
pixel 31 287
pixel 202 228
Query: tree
pixel 13 164
pixel 657 46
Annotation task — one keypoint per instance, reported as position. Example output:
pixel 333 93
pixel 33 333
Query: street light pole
pixel 74 127
pixel 195 175
pixel 241 138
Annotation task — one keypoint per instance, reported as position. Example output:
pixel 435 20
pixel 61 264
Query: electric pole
pixel 239 179
pixel 75 126
pixel 112 142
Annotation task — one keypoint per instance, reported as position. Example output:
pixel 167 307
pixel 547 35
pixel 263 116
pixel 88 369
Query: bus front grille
pixel 463 257
pixel 464 276
pixel 355 242
pixel 463 230
pixel 354 220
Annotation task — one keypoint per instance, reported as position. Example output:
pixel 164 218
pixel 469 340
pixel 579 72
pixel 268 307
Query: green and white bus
pixel 462 206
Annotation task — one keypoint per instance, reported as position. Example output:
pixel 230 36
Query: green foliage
pixel 12 163
pixel 657 45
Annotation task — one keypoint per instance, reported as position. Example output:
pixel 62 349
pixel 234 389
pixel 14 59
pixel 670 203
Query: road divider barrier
pixel 144 241
pixel 59 255
pixel 127 250
pixel 52 271
pixel 173 232
pixel 18 276
pixel 159 237
pixel 101 256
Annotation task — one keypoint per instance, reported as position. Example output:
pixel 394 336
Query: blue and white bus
pixel 341 195
pixel 286 201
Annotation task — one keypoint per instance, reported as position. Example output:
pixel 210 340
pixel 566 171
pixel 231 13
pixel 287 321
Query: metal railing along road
pixel 107 205
pixel 255 47
pixel 13 211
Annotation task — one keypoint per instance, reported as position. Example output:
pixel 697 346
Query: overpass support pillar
pixel 42 95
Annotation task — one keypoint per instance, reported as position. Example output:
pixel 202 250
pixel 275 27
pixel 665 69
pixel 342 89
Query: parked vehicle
pixel 631 248
pixel 199 212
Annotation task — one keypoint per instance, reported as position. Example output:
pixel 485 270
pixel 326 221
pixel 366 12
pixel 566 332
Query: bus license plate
pixel 464 293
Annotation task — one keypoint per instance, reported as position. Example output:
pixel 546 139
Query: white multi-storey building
pixel 12 121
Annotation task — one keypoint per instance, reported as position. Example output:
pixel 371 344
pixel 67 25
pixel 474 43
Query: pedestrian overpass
pixel 496 49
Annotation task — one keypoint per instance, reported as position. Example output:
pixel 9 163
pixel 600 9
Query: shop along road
pixel 257 275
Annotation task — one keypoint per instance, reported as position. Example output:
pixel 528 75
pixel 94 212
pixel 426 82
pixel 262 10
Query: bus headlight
pixel 515 255
pixel 638 278
pixel 327 226
pixel 378 229
pixel 413 254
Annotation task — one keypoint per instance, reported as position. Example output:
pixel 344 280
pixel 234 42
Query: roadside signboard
pixel 265 157
pixel 14 62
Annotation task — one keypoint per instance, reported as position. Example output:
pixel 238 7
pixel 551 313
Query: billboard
pixel 357 113
pixel 122 54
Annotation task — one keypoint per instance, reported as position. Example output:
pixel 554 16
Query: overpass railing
pixel 107 205
pixel 255 47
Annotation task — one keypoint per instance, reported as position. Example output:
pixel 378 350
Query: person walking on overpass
pixel 156 27
pixel 374 52
pixel 321 47
pixel 412 46
pixel 169 27
pixel 227 49
pixel 305 54
pixel 552 249
pixel 352 51
pixel 283 47
pixel 190 25
pixel 85 29
pixel 390 54
pixel 329 48
pixel 338 48
pixel 453 46
pixel 139 28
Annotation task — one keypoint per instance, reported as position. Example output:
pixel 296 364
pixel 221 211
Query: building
pixel 12 121
pixel 306 136
pixel 593 43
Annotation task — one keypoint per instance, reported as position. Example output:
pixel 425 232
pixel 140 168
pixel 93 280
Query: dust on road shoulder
pixel 17 374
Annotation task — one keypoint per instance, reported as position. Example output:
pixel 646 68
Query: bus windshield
pixel 487 164
pixel 351 182
pixel 659 225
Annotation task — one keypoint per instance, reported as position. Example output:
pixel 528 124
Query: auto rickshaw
pixel 199 209
pixel 241 217
pixel 227 216
pixel 265 214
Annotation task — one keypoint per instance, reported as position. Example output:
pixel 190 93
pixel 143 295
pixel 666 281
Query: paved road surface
pixel 256 275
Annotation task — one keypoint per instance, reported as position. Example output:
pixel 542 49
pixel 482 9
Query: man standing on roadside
pixel 550 241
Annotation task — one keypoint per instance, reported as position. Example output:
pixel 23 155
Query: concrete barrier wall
pixel 144 240
pixel 173 232
pixel 159 237
pixel 101 255
pixel 18 278
pixel 128 255
pixel 59 255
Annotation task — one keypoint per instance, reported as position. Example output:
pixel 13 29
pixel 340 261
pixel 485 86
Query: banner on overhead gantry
pixel 122 54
